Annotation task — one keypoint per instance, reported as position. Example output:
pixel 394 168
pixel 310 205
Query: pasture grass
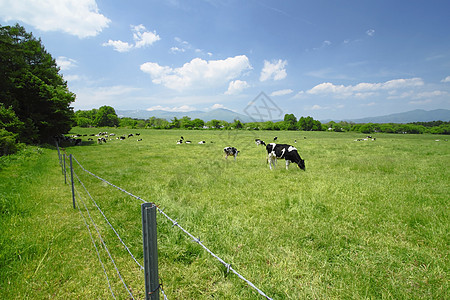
pixel 367 219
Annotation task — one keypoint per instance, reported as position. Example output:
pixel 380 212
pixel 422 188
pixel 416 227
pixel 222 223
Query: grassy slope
pixel 367 219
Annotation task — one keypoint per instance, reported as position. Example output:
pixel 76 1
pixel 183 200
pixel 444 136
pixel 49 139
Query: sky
pixel 326 59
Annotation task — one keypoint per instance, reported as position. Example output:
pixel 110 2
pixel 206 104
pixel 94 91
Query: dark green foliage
pixel 435 127
pixel 31 85
pixel 159 123
pixel 8 143
pixel 9 120
pixel 290 122
pixel 106 117
pixel 309 124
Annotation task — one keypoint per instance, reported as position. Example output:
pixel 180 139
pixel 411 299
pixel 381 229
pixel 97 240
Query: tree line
pixel 105 116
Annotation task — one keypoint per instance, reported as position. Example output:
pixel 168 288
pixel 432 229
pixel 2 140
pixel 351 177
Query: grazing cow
pixel 130 135
pixel 179 142
pixel 259 142
pixel 139 140
pixel 286 152
pixel 188 142
pixel 202 142
pixel 275 138
pixel 101 140
pixel 230 151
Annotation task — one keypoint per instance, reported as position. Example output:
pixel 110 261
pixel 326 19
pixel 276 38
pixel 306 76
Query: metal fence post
pixel 59 155
pixel 64 163
pixel 149 235
pixel 71 179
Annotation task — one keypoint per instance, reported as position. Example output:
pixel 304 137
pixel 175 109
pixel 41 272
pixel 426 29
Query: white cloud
pixel 362 90
pixel 119 46
pixel 177 50
pixel 420 102
pixel 446 79
pixel 216 106
pixel 197 72
pixel 274 69
pixel 282 92
pixel 324 45
pixel 65 63
pixel 184 46
pixel 370 32
pixel 299 95
pixel 236 87
pixel 431 94
pixel 89 97
pixel 182 108
pixel 77 17
pixel 142 37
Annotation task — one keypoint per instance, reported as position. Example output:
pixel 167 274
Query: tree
pixel 30 83
pixel 9 120
pixel 185 122
pixel 106 117
pixel 175 123
pixel 290 122
pixel 213 124
pixel 198 123
pixel 237 124
pixel 158 123
pixel 10 126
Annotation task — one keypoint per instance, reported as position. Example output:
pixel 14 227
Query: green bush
pixel 8 142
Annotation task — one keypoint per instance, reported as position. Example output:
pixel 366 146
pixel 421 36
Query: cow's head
pixel 301 164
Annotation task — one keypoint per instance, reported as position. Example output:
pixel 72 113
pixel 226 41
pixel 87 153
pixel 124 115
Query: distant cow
pixel 259 142
pixel 101 140
pixel 230 151
pixel 286 152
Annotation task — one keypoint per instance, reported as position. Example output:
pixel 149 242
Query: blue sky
pixel 326 59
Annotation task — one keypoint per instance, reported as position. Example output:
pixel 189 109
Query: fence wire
pixel 95 246
pixel 107 221
pixel 118 236
pixel 175 223
pixel 101 239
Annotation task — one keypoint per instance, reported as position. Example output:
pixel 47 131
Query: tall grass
pixel 366 220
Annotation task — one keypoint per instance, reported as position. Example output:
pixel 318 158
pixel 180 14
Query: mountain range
pixel 215 114
pixel 418 115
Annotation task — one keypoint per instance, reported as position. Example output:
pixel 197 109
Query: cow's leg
pixel 287 164
pixel 271 161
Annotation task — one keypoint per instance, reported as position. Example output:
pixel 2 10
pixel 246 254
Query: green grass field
pixel 367 219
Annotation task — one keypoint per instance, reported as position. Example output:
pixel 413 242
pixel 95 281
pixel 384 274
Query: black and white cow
pixel 230 151
pixel 101 140
pixel 259 142
pixel 286 152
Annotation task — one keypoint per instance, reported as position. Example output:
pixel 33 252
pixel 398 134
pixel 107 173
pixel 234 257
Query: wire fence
pixel 62 160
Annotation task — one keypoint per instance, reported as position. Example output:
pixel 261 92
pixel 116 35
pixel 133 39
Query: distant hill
pixel 217 114
pixel 418 115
